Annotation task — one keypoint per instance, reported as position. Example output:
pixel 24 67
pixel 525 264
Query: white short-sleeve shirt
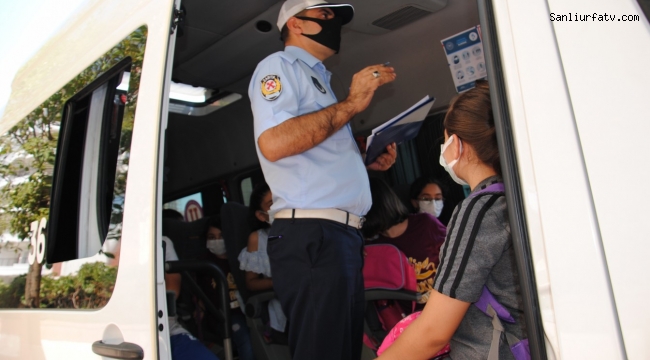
pixel 291 83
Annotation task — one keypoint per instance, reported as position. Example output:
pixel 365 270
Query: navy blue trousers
pixel 316 267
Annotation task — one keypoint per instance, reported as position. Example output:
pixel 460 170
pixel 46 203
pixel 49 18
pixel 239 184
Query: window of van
pixel 247 190
pixel 63 171
pixel 191 206
pixel 198 101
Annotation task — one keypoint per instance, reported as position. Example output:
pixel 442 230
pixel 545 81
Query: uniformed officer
pixel 319 183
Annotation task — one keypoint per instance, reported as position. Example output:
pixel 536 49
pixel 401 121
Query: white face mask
pixel 433 207
pixel 216 246
pixel 268 217
pixel 450 167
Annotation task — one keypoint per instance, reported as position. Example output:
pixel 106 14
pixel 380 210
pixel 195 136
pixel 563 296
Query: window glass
pixel 246 190
pixel 191 206
pixel 100 103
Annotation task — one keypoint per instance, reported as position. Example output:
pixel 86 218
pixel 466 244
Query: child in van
pixel 184 345
pixel 255 260
pixel 217 247
pixel 418 236
pixel 426 196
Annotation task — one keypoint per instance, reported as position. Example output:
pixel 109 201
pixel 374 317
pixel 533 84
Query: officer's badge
pixel 318 85
pixel 271 87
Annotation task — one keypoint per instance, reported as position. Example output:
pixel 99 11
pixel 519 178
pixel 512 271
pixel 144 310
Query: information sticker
pixel 465 58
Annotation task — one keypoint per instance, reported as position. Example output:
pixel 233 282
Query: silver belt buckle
pixel 362 220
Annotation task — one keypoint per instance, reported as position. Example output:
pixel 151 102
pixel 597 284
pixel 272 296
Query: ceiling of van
pixel 221 42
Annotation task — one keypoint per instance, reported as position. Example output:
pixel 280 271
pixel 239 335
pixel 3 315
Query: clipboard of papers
pixel 402 127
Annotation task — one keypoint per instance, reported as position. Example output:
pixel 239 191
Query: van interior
pixel 209 146
pixel 219 44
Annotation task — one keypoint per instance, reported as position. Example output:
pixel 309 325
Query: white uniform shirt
pixel 291 83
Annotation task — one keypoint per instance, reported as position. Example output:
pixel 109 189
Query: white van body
pixel 580 117
pixel 577 99
pixel 131 315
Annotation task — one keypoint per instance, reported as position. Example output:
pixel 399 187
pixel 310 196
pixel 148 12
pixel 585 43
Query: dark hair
pixel 215 221
pixel 470 118
pixel 284 33
pixel 420 183
pixel 255 204
pixel 172 214
pixel 387 209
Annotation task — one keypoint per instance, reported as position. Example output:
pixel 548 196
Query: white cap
pixel 292 7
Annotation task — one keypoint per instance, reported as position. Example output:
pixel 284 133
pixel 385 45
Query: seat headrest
pixel 236 228
pixel 188 237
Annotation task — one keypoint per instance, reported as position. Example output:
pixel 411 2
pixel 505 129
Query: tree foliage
pixel 12 295
pixel 90 288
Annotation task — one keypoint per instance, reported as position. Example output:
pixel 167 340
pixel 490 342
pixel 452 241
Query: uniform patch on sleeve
pixel 271 87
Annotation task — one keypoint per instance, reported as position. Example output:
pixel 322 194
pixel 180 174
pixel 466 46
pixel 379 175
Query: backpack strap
pixel 492 188
pixel 497 330
pixel 492 308
pixel 487 300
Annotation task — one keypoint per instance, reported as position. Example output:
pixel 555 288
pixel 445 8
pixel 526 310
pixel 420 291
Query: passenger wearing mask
pixel 478 251
pixel 184 345
pixel 218 255
pixel 426 196
pixel 255 260
pixel 418 236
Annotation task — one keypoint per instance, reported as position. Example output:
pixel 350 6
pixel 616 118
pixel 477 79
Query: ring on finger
pixel 375 74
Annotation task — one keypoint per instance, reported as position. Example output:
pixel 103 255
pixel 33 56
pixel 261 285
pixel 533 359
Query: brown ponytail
pixel 470 118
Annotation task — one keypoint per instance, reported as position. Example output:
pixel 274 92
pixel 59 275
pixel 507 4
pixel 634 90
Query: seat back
pixel 236 227
pixel 388 278
pixel 188 237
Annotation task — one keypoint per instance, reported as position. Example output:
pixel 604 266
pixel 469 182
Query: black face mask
pixel 330 34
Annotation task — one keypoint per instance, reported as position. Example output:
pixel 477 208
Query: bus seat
pixel 236 228
pixel 189 240
pixel 188 237
pixel 388 279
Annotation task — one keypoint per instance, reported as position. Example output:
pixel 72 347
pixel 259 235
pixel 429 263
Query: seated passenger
pixel 217 247
pixel 418 236
pixel 184 345
pixel 478 252
pixel 426 196
pixel 255 260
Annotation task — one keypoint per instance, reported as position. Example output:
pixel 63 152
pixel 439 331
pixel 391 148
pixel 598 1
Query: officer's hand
pixel 385 160
pixel 365 82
